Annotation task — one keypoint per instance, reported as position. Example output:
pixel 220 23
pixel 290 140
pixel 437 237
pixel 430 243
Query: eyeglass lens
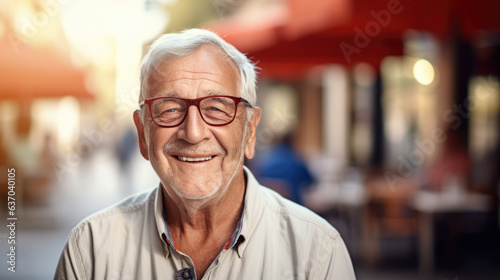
pixel 214 111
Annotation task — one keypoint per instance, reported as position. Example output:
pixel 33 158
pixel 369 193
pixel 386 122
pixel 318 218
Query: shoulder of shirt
pixel 128 206
pixel 286 208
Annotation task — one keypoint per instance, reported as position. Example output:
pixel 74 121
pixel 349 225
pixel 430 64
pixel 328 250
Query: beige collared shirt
pixel 278 239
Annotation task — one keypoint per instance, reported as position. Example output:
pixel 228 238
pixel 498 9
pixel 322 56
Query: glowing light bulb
pixel 423 72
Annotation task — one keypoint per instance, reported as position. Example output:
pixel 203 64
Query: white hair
pixel 174 45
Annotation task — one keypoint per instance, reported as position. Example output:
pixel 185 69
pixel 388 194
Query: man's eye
pixel 215 109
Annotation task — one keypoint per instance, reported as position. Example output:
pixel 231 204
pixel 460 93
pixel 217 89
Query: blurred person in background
pixel 33 165
pixel 209 218
pixel 281 168
pixel 125 149
pixel 452 169
pixel 125 152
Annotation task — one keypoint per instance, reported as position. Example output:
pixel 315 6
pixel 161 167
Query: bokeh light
pixel 423 72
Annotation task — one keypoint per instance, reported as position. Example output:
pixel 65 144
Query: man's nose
pixel 193 129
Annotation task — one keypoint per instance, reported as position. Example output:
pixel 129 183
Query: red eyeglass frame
pixel 195 102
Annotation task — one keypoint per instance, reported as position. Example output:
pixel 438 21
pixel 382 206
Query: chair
pixel 388 214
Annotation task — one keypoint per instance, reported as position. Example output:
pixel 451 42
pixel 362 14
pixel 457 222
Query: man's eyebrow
pixel 174 93
pixel 213 92
pixel 166 94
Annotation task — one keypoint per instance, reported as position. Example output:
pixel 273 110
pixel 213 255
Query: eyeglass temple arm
pixel 246 103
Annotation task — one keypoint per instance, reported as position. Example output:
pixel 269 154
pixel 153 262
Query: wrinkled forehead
pixel 206 63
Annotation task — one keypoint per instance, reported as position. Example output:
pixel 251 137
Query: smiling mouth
pixel 189 159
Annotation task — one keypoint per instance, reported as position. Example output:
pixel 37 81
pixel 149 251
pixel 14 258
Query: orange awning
pixel 26 73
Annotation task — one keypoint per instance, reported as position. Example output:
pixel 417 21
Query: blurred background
pixel 382 116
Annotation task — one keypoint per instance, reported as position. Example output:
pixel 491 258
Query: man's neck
pixel 201 229
pixel 216 215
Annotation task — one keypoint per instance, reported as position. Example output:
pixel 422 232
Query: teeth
pixel 194 159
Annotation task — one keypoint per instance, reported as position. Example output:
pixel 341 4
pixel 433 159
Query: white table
pixel 429 203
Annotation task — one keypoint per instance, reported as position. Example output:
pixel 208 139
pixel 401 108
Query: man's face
pixel 195 160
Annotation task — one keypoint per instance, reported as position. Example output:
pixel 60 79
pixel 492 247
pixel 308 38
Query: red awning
pixel 287 44
pixel 299 17
pixel 26 73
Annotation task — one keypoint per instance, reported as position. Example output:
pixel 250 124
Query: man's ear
pixel 143 145
pixel 252 133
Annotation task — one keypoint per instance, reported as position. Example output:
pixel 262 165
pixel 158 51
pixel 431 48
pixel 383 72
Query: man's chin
pixel 189 191
pixel 199 195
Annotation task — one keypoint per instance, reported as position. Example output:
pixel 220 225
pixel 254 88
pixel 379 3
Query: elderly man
pixel 209 218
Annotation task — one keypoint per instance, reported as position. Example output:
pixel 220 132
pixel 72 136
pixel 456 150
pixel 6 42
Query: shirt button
pixel 186 274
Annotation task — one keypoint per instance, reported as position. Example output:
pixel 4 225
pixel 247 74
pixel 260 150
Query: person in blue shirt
pixel 282 169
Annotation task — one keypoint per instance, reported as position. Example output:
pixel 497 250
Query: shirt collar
pixel 252 212
pixel 160 222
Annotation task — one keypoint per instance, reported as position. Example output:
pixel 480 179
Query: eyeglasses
pixel 215 110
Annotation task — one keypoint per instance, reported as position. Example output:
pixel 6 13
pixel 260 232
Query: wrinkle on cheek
pixel 154 136
pixel 239 133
